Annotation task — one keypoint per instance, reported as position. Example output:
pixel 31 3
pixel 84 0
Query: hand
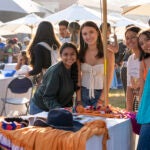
pixel 78 103
pixel 112 48
pixel 100 104
pixel 27 74
pixel 135 82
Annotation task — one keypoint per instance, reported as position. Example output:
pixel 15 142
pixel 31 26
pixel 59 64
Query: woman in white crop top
pixel 92 65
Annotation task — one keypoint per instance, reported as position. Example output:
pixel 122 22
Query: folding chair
pixel 19 92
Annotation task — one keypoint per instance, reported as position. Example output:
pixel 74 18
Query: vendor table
pixel 120 132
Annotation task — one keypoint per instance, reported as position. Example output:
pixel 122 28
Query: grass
pixel 117 98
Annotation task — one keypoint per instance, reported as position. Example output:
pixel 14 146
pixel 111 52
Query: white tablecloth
pixel 121 136
pixel 10 66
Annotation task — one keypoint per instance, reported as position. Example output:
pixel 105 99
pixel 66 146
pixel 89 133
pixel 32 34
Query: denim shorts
pixel 144 137
pixel 86 100
pixel 34 109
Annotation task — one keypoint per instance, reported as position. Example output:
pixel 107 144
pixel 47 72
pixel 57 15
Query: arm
pixel 110 73
pixel 51 91
pixel 18 66
pixel 141 80
pixel 111 65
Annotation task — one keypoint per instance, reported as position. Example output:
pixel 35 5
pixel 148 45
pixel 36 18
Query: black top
pixel 56 89
pixel 41 60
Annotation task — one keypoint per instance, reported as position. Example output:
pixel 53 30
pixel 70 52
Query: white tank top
pixel 92 77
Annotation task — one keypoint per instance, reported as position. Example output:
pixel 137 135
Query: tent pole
pixel 104 6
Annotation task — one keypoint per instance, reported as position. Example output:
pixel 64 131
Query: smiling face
pixel 131 40
pixel 68 56
pixel 144 43
pixel 89 35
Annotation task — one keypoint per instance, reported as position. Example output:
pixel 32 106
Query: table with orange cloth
pixel 119 130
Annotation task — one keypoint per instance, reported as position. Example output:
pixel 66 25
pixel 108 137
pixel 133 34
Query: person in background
pixel 26 41
pixel 64 35
pixel 17 49
pixel 133 66
pixel 119 56
pixel 123 70
pixel 113 46
pixel 149 22
pixel 59 83
pixel 10 54
pixel 143 117
pixel 91 55
pixel 16 46
pixel 41 48
pixel 22 66
pixel 74 29
pixel 2 46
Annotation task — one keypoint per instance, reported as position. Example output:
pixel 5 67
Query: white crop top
pixel 92 77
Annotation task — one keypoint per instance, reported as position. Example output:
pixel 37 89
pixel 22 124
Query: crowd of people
pixel 73 62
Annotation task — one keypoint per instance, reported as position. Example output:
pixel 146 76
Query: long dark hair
pixel 45 33
pixel 74 29
pixel 84 46
pixel 74 67
pixel 143 54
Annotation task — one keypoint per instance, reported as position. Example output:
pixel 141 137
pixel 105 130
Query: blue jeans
pixel 86 100
pixel 144 138
pixel 34 109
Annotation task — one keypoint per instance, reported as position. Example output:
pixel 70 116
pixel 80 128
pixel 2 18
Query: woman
pixel 59 82
pixel 133 66
pixel 92 65
pixel 38 50
pixel 74 29
pixel 22 66
pixel 144 108
pixel 145 57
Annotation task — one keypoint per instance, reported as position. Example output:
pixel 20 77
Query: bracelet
pixel 79 102
pixel 101 102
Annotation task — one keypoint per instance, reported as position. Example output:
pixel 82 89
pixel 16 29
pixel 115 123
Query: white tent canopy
pixel 13 9
pixel 121 21
pixel 75 12
pixel 140 7
pixel 22 25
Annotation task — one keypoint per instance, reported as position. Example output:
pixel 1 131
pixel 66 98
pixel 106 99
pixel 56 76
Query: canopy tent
pixel 75 12
pixel 22 25
pixel 141 7
pixel 121 21
pixel 13 9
